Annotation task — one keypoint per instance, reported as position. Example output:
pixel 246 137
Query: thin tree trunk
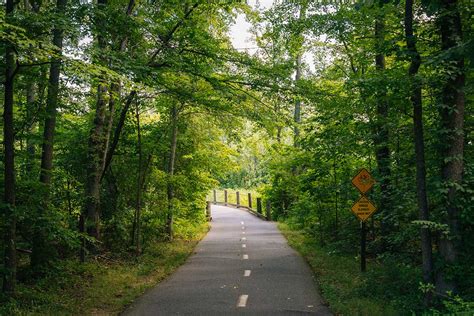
pixel 117 132
pixel 171 167
pixel 416 100
pixel 94 167
pixel 139 185
pixel 336 193
pixel 68 197
pixel 381 137
pixel 452 138
pixel 90 221
pixel 297 111
pixel 42 250
pixel 30 146
pixel 114 94
pixel 109 120
pixel 9 273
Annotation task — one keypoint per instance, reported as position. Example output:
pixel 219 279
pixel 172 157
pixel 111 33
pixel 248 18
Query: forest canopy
pixel 120 116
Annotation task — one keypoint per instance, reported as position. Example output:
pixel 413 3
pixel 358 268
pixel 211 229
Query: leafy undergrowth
pixel 382 290
pixel 101 287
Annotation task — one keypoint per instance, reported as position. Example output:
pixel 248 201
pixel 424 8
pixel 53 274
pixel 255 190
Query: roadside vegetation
pixel 387 288
pixel 106 284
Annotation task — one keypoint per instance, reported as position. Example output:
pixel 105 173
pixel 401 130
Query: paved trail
pixel 243 266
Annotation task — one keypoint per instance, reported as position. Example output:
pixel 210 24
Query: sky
pixel 241 37
pixel 239 32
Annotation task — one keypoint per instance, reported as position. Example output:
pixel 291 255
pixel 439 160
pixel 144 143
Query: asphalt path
pixel 243 266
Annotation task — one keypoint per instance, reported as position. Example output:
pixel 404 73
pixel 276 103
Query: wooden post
pixel 225 197
pixel 362 246
pixel 237 197
pixel 250 200
pixel 259 205
pixel 269 210
pixel 215 196
pixel 208 211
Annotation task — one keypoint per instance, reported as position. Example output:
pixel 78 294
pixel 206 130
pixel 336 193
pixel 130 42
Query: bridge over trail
pixel 243 266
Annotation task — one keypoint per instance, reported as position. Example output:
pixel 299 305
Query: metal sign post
pixel 363 209
pixel 363 240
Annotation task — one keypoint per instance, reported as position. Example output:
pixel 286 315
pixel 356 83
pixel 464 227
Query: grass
pixel 101 287
pixel 345 289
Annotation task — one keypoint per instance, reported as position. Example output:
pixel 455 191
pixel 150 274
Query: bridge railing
pixel 241 199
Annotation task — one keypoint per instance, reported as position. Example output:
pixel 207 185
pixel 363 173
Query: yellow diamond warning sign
pixel 363 181
pixel 363 208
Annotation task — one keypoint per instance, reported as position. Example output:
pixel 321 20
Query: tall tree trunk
pixel 94 167
pixel 9 273
pixel 416 100
pixel 452 137
pixel 381 137
pixel 297 111
pixel 90 221
pixel 336 196
pixel 30 146
pixel 109 120
pixel 114 95
pixel 171 167
pixel 118 130
pixel 139 186
pixel 42 250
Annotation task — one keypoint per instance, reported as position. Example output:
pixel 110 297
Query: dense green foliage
pixel 113 282
pixel 309 179
pixel 121 116
pixel 120 151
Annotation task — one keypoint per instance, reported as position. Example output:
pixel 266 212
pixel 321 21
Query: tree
pixel 42 249
pixel 9 275
pixel 452 137
pixel 421 190
pixel 381 135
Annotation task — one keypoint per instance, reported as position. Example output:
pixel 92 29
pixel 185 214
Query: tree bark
pixel 381 137
pixel 42 250
pixel 94 167
pixel 117 132
pixel 9 274
pixel 96 151
pixel 109 120
pixel 30 146
pixel 297 111
pixel 336 196
pixel 452 138
pixel 416 100
pixel 114 94
pixel 138 247
pixel 171 167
